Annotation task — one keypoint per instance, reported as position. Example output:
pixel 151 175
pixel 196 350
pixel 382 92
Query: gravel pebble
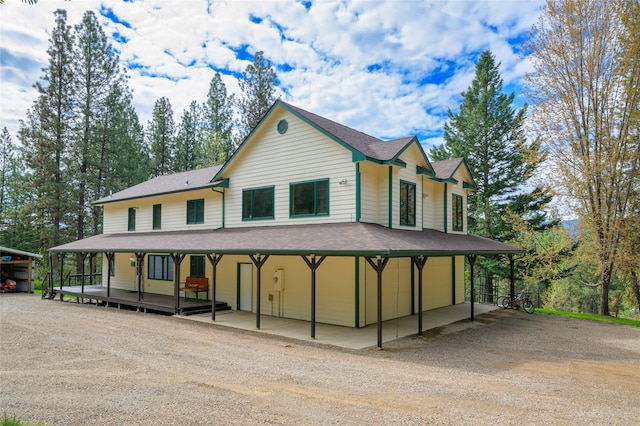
pixel 71 364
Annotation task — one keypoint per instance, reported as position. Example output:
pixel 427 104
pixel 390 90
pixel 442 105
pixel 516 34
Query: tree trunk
pixel 605 281
pixel 635 287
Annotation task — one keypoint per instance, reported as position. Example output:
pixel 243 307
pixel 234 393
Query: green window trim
pixel 258 203
pixel 457 213
pixel 195 211
pixel 407 203
pixel 309 198
pixel 160 267
pixel 197 266
pixel 131 221
pixel 157 216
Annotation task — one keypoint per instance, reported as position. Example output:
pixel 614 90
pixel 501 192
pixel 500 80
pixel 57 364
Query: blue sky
pixel 387 68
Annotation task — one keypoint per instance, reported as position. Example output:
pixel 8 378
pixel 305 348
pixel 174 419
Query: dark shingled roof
pixel 167 184
pixel 338 239
pixel 368 145
pixel 446 168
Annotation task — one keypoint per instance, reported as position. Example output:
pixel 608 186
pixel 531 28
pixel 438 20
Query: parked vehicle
pixel 7 285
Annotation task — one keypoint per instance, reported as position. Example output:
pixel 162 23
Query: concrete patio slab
pixel 345 337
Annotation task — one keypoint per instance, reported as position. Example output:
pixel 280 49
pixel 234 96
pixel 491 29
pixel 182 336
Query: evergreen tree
pixel 17 229
pixel 44 138
pixel 7 154
pixel 218 123
pixel 161 138
pixel 258 92
pixel 489 134
pixel 189 152
pixel 122 160
pixel 96 71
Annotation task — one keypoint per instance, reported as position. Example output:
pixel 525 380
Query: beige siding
pixel 437 290
pixel 396 290
pixel 460 262
pixel 432 201
pixel 301 154
pixel 374 188
pixel 174 212
pixel 335 290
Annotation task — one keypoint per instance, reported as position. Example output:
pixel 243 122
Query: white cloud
pixel 388 68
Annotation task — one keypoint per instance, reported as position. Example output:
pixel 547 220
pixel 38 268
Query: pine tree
pixel 161 138
pixel 7 154
pixel 258 92
pixel 17 229
pixel 489 134
pixel 96 71
pixel 189 152
pixel 44 138
pixel 218 123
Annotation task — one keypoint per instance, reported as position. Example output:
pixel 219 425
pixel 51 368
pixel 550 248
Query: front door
pixel 245 287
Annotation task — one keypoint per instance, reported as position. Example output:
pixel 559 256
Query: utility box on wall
pixel 278 280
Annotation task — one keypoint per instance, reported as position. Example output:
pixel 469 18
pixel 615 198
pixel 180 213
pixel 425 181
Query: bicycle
pixel 520 301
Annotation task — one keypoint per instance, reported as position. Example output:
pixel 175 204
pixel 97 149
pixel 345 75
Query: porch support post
pixel 379 267
pixel 214 260
pixel 512 277
pixel 110 256
pixel 259 261
pixel 92 256
pixel 472 260
pixel 50 275
pixel 313 264
pixel 61 267
pixel 419 261
pixel 84 258
pixel 177 261
pixel 139 266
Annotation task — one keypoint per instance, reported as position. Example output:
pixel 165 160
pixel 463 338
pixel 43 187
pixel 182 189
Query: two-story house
pixel 308 219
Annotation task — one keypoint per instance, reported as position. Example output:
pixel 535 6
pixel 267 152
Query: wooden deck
pixel 131 299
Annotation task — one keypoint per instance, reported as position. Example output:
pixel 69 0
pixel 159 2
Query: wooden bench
pixel 196 285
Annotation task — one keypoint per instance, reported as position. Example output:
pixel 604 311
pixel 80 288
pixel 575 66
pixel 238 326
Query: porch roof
pixel 339 239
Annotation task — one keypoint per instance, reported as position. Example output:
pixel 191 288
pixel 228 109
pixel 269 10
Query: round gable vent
pixel 283 126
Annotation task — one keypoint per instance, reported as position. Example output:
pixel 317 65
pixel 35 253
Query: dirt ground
pixel 70 364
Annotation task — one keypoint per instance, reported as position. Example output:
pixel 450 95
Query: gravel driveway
pixel 69 364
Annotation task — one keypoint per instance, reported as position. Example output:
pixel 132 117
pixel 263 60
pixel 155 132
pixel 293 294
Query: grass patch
pixel 12 421
pixel 591 317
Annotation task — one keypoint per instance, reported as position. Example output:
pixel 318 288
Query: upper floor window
pixel 195 211
pixel 257 203
pixel 457 213
pixel 407 203
pixel 131 226
pixel 157 216
pixel 160 267
pixel 197 266
pixel 309 198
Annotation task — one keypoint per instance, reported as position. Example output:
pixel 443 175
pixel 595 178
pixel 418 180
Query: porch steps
pixel 220 306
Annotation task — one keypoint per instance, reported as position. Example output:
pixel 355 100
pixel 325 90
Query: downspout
pixel 221 192
pixel 357 307
pixel 445 208
pixel 390 197
pixel 422 202
pixel 358 192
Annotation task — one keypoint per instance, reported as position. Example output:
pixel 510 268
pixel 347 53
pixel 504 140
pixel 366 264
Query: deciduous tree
pixel 586 93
